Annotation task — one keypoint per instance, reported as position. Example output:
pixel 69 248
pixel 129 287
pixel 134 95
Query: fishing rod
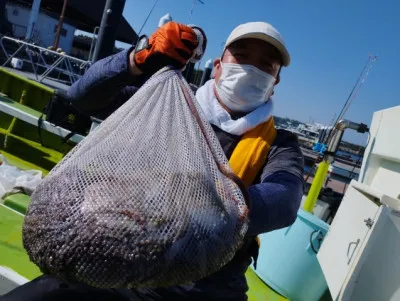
pixel 148 16
pixel 191 10
pixel 334 139
pixel 356 88
pixel 372 60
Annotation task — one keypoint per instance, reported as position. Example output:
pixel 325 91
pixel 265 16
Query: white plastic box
pixel 17 63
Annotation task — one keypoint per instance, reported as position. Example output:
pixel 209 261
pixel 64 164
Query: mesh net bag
pixel 146 200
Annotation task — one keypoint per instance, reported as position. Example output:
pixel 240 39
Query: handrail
pixel 61 63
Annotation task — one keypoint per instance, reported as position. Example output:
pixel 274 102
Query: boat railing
pixel 43 61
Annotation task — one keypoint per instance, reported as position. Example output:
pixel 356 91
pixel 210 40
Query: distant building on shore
pixel 79 15
pixel 45 29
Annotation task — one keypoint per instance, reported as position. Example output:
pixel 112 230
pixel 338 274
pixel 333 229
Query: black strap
pixel 63 139
pixel 249 249
pixel 67 137
pixel 40 122
pixel 254 249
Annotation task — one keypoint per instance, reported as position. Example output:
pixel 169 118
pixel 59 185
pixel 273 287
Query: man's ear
pixel 217 68
pixel 278 79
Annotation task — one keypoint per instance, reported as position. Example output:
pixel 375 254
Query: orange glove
pixel 172 44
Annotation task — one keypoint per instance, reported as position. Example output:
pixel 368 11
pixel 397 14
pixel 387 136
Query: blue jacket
pixel 275 195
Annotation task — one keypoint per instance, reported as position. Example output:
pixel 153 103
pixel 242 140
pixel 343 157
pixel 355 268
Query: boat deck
pixel 54 84
pixel 12 252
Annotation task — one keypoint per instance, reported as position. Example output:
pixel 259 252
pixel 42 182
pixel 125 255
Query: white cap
pixel 262 31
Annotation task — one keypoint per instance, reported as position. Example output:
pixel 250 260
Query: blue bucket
pixel 287 259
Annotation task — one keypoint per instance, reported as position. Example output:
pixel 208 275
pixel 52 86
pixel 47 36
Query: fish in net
pixel 146 200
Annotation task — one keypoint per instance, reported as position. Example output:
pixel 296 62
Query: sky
pixel 329 43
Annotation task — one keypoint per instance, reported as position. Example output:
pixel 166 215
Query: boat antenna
pixel 148 16
pixel 356 88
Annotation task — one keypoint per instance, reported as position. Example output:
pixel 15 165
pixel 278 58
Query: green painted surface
pixel 24 145
pixel 12 252
pixel 17 105
pixel 6 73
pixel 5 120
pixel 20 139
pixel 30 151
pixel 21 164
pixel 19 202
pixel 259 291
pixel 30 132
pixel 23 90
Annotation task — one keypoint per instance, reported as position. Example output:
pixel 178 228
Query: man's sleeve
pixel 276 200
pixel 102 82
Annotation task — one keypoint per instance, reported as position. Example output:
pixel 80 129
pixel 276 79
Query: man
pixel 237 104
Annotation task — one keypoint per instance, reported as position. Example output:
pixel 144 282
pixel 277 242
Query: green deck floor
pixel 12 252
pixel 259 291
pixel 18 201
pixel 21 164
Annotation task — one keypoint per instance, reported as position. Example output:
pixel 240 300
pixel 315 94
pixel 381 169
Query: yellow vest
pixel 252 150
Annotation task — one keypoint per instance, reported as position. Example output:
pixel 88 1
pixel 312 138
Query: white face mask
pixel 243 88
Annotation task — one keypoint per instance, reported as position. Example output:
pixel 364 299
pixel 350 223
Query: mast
pixel 32 19
pixel 59 27
pixel 112 16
